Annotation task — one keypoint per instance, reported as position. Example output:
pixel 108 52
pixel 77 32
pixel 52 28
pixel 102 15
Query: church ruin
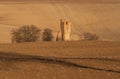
pixel 65 31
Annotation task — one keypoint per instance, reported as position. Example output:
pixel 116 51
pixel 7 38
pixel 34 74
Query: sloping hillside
pixel 100 18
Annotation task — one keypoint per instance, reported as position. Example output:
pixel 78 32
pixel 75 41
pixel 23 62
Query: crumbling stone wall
pixel 65 31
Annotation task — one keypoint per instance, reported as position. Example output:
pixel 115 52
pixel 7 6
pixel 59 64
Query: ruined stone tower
pixel 65 31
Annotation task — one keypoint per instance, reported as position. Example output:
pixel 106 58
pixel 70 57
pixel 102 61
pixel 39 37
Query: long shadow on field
pixel 52 60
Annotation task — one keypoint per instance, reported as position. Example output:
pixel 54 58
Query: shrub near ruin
pixel 26 33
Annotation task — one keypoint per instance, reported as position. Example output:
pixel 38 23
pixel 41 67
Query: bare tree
pixel 47 35
pixel 25 33
pixel 90 36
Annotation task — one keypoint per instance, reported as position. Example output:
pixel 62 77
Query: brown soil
pixel 60 60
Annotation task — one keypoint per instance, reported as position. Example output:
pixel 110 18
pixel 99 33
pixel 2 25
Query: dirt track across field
pixel 55 60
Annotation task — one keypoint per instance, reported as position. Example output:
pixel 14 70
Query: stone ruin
pixel 65 31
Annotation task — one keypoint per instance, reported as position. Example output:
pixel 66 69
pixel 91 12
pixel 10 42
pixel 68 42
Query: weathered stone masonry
pixel 65 31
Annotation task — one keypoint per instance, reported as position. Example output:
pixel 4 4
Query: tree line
pixel 31 33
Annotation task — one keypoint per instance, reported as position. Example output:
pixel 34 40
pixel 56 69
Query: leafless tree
pixel 26 33
pixel 90 36
pixel 47 35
